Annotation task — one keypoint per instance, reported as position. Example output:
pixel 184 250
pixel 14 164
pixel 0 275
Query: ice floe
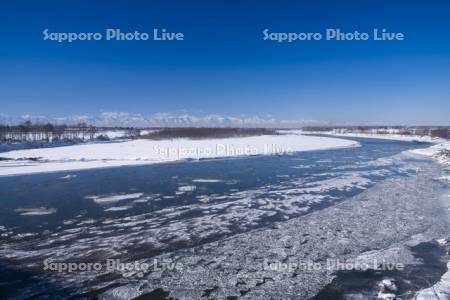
pixel 69 176
pixel 205 180
pixel 187 188
pixel 104 199
pixel 37 211
pixel 119 208
pixel 440 152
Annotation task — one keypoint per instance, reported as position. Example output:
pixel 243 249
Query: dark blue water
pixel 68 196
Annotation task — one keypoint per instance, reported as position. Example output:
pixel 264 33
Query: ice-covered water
pixel 137 213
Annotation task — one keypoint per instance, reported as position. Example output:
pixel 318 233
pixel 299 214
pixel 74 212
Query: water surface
pixel 142 211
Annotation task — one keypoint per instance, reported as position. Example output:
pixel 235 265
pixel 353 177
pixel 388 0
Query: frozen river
pixel 217 229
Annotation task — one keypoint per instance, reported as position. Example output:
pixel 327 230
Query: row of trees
pixel 205 132
pixel 46 132
pixel 441 132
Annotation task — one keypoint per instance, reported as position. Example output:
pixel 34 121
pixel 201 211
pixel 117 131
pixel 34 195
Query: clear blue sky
pixel 224 66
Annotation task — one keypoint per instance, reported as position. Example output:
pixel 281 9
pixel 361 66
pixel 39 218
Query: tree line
pixel 28 132
pixel 440 132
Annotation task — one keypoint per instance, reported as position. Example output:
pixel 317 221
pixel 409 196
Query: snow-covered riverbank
pixel 439 151
pixel 387 136
pixel 142 151
pixel 397 137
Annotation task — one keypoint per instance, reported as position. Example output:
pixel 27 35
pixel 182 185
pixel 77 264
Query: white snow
pixel 390 136
pixel 386 134
pixel 435 151
pixel 142 151
pixel 387 296
pixel 145 132
pixel 113 134
pixel 442 241
pixel 113 198
pixel 439 152
pixel 38 211
pixel 118 208
pixel 388 284
pixel 206 180
pixel 187 188
pixel 68 176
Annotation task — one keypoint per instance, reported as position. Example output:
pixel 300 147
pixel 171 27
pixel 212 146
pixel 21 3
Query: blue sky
pixel 224 67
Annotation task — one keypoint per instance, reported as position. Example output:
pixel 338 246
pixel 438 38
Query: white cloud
pixel 167 119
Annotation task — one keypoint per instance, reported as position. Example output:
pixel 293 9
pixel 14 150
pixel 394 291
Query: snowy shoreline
pixel 388 136
pixel 142 152
pixel 397 137
pixel 439 151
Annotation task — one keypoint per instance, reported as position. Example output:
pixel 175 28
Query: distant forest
pixel 441 132
pixel 29 133
pixel 205 132
pixel 49 133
